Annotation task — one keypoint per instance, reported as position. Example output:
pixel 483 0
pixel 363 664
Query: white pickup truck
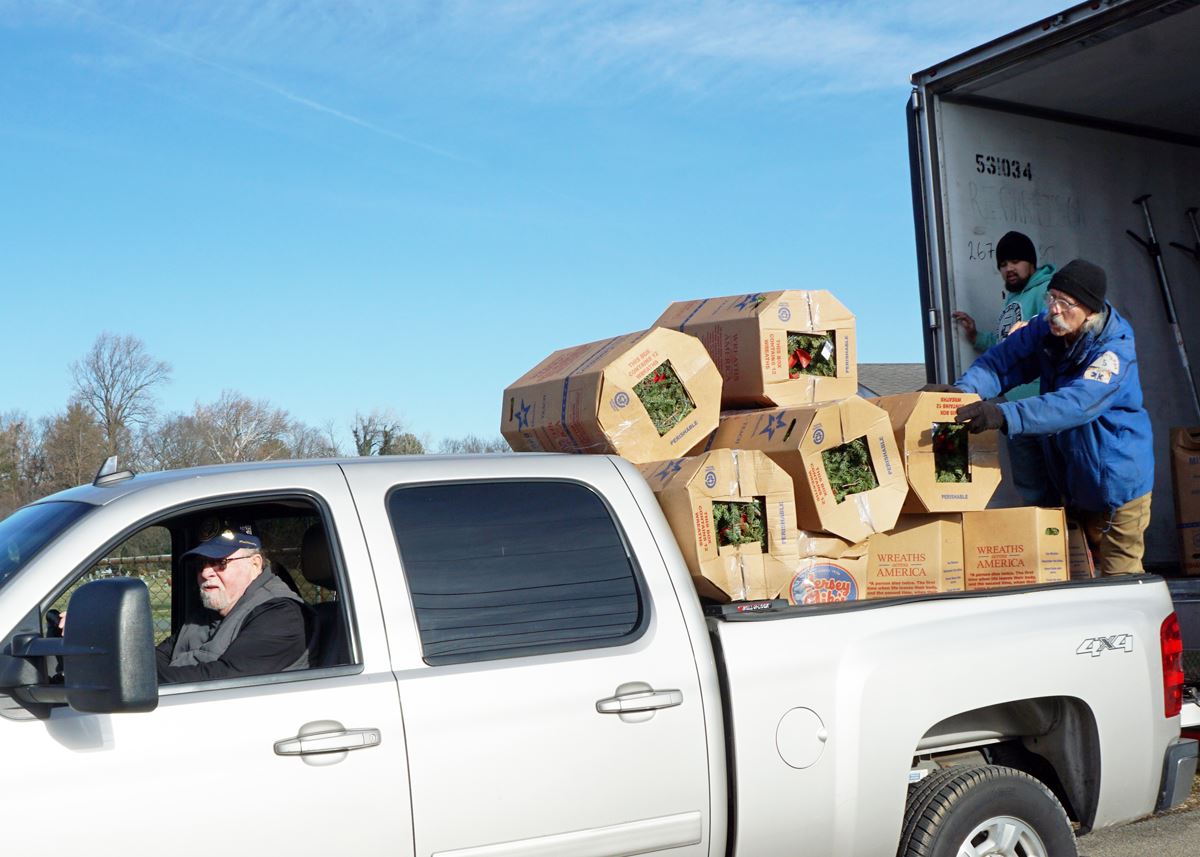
pixel 511 660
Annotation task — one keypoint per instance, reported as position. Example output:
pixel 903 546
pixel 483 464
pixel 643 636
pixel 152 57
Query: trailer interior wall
pixel 1053 131
pixel 1073 196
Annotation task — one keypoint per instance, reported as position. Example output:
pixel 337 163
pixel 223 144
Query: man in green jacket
pixel 1025 292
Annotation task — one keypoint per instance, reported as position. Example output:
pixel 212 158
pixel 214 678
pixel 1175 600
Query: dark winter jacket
pixel 1095 432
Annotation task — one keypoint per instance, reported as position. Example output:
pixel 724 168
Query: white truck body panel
pixel 200 769
pixel 652 774
pixel 878 679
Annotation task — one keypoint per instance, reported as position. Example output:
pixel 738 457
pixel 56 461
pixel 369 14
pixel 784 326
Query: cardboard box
pixel 800 439
pixel 922 554
pixel 586 398
pixel 1080 562
pixel 831 570
pixel 747 336
pixel 688 489
pixel 1014 547
pixel 1185 476
pixel 930 442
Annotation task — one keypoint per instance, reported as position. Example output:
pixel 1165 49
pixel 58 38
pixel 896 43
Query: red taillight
pixel 1172 658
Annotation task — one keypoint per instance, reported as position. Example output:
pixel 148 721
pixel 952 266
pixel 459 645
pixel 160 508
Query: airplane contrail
pixel 269 86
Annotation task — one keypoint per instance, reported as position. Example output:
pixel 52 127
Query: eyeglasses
pixel 1061 304
pixel 222 564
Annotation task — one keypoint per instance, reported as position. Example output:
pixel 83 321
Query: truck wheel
pixel 972 812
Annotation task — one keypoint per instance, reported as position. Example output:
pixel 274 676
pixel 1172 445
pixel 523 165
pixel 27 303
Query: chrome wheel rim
pixel 1003 836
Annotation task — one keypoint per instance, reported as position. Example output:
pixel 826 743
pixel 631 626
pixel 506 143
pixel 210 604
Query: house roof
pixel 885 379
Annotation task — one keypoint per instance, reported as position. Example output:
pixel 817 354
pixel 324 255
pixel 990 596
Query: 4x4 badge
pixel 1096 646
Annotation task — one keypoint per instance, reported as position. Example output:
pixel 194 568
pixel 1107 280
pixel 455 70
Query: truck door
pixel 210 770
pixel 521 626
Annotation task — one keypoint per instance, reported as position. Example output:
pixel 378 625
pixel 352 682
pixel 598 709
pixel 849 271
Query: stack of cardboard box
pixel 824 496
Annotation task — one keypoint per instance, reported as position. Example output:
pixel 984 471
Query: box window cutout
pixel 812 354
pixel 664 397
pixel 951 461
pixel 740 523
pixel 848 468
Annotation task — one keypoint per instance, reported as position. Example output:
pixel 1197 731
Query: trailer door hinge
pixel 933 319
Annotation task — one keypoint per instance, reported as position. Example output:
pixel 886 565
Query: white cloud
pixel 551 48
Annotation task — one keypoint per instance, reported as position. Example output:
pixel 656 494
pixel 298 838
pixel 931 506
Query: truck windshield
pixel 26 531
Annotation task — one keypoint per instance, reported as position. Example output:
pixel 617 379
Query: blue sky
pixel 340 206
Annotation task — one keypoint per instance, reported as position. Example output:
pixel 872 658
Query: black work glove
pixel 980 416
pixel 939 388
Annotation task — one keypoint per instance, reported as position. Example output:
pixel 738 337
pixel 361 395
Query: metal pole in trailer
pixel 1155 250
pixel 1194 252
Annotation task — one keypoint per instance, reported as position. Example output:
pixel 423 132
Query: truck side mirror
pixel 108 648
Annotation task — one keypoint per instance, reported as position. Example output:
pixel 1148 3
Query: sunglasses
pixel 222 564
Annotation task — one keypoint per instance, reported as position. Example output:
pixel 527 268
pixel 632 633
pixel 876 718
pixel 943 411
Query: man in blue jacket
pixel 1094 431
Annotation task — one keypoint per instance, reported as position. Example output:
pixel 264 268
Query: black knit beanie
pixel 1015 247
pixel 1083 281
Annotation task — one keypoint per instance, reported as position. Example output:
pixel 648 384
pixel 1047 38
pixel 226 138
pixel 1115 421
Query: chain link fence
pixel 153 570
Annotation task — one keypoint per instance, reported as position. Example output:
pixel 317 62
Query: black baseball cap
pixel 226 542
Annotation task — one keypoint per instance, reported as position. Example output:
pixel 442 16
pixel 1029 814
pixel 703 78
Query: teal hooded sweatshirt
pixel 1024 305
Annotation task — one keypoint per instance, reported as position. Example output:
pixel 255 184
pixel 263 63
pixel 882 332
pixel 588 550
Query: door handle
pixel 640 700
pixel 327 736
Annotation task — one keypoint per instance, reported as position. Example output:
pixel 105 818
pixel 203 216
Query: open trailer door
pixel 1055 130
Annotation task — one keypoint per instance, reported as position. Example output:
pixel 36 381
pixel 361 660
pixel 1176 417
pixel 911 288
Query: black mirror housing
pixel 108 648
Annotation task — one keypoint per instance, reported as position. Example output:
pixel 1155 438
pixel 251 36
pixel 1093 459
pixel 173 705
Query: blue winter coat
pixel 1095 432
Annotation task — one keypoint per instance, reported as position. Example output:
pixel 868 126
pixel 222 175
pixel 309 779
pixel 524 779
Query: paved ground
pixel 1176 834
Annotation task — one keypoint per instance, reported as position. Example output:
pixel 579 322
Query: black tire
pixel 947 806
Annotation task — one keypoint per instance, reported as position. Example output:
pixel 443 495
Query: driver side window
pixel 290 562
pixel 146 556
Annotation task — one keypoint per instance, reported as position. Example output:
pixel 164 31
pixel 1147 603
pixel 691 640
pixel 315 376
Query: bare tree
pixel 383 433
pixel 116 380
pixel 22 471
pixel 235 428
pixel 472 444
pixel 304 441
pixel 73 446
pixel 175 442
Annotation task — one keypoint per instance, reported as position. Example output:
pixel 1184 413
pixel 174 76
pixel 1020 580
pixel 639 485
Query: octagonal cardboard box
pixel 593 398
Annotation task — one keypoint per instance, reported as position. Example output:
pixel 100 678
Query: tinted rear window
pixel 501 569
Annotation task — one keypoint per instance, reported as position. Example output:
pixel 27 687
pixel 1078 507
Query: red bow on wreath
pixel 800 358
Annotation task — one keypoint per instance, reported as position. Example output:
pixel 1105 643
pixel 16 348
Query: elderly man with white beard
pixel 251 623
pixel 1089 417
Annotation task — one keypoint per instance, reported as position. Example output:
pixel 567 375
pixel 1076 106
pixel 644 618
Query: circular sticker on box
pixel 620 400
pixel 710 478
pixel 823 584
pixel 785 314
pixel 818 435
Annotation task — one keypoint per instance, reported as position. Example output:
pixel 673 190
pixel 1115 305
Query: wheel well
pixel 1051 738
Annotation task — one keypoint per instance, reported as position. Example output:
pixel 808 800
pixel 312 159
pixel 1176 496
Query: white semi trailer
pixel 1055 130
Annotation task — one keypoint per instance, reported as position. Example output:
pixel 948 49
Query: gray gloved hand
pixel 980 416
pixel 939 388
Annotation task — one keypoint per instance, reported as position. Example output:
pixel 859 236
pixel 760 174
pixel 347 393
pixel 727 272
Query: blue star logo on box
pixel 773 425
pixel 750 300
pixel 672 468
pixel 523 415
